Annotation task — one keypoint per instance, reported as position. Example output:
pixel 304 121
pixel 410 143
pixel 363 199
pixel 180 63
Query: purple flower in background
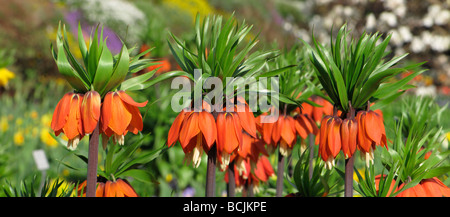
pixel 113 42
pixel 189 192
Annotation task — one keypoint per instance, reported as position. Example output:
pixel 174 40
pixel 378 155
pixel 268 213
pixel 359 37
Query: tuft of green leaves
pixel 356 71
pixel 222 48
pixel 99 69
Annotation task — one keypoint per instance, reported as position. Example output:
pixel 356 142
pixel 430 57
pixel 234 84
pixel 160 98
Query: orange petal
pixel 110 189
pixel 174 130
pixel 334 137
pixel 61 111
pixel 288 131
pixel 105 115
pixel 126 188
pixel 231 138
pixel 431 188
pixel 100 191
pixel 136 123
pixel 73 126
pixel 127 99
pixel 220 121
pixel 300 127
pixel 207 125
pixel 364 143
pixel 276 132
pixel 120 116
pixel 323 138
pixel 189 128
pixel 345 138
pixel 267 129
pixel 90 111
pixel 373 129
pixel 353 130
pixel 248 121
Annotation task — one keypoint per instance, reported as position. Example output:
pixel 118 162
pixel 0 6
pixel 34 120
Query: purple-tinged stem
pixel 211 172
pixel 280 177
pixel 91 181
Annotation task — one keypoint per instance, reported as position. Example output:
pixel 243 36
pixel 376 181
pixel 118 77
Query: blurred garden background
pixel 30 85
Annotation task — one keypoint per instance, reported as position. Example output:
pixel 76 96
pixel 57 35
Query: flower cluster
pixel 363 132
pixel 77 115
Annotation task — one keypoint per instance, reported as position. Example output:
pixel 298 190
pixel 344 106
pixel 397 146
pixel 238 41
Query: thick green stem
pixel 91 181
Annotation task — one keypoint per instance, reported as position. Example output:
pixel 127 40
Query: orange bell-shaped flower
pixel 330 139
pixel 304 125
pixel 371 133
pixel 67 118
pixel 349 133
pixel 229 136
pixel 196 132
pixel 118 188
pixel 90 111
pixel 119 115
pixel 432 187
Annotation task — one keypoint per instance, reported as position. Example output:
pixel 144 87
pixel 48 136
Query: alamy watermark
pixel 263 94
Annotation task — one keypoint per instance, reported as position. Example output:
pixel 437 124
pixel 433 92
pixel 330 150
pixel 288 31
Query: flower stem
pixel 231 187
pixel 280 177
pixel 349 163
pixel 211 172
pixel 91 181
pixel 348 185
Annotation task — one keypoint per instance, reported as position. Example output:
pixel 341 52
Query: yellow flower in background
pixel 361 172
pixel 34 114
pixel 47 139
pixel 46 120
pixel 4 124
pixel 169 177
pixel 192 7
pixel 65 172
pixel 448 136
pixel 5 76
pixel 18 138
pixel 19 121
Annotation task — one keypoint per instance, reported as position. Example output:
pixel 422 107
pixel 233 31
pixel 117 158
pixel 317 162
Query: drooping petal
pixel 248 121
pixel 267 129
pixel 126 98
pixel 364 143
pixel 277 127
pixel 334 137
pixel 372 126
pixel 353 130
pixel 174 130
pixel 61 112
pixel 100 191
pixel 345 137
pixel 207 125
pixel 136 123
pixel 90 111
pixel 120 116
pixel 431 188
pixel 73 126
pixel 189 129
pixel 125 187
pixel 106 108
pixel 231 138
pixel 288 131
pixel 220 121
